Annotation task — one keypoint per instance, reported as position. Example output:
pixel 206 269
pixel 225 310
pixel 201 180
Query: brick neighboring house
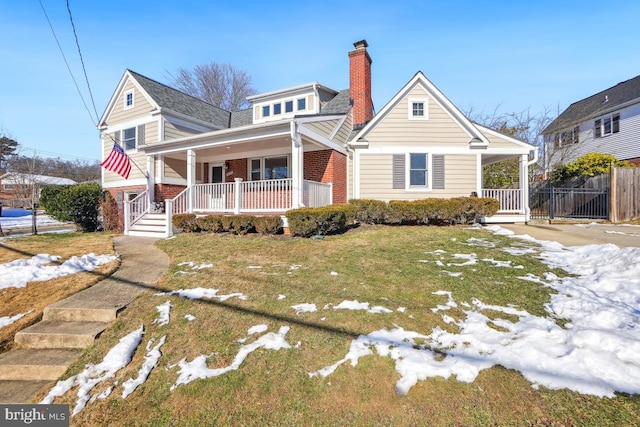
pixel 305 145
pixel 18 188
pixel 607 122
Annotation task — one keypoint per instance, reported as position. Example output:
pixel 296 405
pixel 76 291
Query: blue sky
pixel 480 54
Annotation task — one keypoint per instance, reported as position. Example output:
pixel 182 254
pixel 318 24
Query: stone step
pixel 36 364
pixel 146 233
pixel 21 391
pixel 59 334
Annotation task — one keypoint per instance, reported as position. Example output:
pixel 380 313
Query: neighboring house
pixel 306 145
pixel 14 185
pixel 607 122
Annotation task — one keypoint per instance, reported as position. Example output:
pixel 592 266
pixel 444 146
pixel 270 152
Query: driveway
pixel 581 234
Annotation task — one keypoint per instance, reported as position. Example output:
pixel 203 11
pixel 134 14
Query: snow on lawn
pixel 7 320
pixel 163 313
pixel 201 293
pixel 597 353
pixel 16 274
pixel 117 358
pixel 150 362
pixel 24 221
pixel 197 368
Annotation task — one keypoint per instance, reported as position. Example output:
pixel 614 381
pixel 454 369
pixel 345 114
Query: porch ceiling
pixel 488 159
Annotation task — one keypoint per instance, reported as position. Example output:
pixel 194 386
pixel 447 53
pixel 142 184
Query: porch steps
pixel 150 225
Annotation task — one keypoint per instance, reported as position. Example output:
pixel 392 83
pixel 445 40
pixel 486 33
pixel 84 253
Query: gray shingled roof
pixel 340 104
pixel 172 99
pixel 595 104
pixel 241 118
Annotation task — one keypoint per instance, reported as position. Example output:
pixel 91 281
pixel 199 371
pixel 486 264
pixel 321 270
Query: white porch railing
pixel 135 209
pixel 510 199
pixel 273 195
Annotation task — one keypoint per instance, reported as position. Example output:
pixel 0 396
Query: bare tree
pixel 524 125
pixel 222 85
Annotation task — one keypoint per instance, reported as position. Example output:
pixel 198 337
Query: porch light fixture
pixel 226 165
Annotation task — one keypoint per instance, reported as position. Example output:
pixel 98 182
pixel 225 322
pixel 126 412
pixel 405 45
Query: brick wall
pixel 167 191
pixel 328 166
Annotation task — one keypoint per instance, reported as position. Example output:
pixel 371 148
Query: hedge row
pixel 238 224
pixel 333 219
pixel 433 211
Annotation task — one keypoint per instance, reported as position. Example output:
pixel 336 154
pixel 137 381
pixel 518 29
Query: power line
pixel 66 63
pixel 82 61
pixel 36 151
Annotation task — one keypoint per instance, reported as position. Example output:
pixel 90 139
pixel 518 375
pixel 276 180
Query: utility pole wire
pixel 82 62
pixel 67 63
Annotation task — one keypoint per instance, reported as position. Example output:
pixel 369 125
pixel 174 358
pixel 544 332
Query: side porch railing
pixel 510 199
pixel 135 209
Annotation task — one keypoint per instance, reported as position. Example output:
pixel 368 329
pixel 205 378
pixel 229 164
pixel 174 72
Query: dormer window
pixel 288 107
pixel 128 99
pixel 302 104
pixel 266 111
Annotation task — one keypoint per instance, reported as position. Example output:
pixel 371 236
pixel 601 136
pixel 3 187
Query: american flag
pixel 117 161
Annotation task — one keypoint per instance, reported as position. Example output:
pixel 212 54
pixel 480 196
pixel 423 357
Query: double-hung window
pixel 129 139
pixel 607 125
pixel 128 100
pixel 418 109
pixel 418 170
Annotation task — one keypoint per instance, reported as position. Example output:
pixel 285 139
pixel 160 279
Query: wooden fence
pixel 625 194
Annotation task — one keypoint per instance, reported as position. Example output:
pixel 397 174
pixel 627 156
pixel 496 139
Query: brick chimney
pixel 360 84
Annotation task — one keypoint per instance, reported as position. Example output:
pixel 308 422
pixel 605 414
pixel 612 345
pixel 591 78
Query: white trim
pixel 479 177
pixel 321 139
pixel 425 108
pixel 129 124
pixel 338 126
pixel 125 183
pixel 123 81
pixel 280 92
pixel 262 161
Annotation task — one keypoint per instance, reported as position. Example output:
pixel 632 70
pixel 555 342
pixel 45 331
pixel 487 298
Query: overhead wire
pixel 66 62
pixel 82 62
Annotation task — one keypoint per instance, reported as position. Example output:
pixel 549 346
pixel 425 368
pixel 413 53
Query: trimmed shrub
pixel 307 222
pixel 370 211
pixel 268 224
pixel 238 224
pixel 210 223
pixel 186 222
pixel 77 203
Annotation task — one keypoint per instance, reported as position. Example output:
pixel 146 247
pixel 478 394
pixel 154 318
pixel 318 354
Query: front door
pixel 217 174
pixel 217 200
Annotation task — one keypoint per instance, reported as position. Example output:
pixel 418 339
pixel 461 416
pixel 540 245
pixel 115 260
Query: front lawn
pixel 388 279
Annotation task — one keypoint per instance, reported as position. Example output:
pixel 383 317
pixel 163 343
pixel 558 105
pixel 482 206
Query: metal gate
pixel 551 202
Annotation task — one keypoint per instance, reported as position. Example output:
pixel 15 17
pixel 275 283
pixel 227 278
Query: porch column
pixel 524 186
pixel 151 178
pixel 191 178
pixel 297 167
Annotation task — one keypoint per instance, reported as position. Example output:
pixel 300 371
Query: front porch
pixel 274 197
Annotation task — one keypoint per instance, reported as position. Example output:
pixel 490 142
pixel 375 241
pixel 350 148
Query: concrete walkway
pixel 581 234
pixel 49 347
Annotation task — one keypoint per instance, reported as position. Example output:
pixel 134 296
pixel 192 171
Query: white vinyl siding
pixel 324 128
pixel 173 131
pixel 141 106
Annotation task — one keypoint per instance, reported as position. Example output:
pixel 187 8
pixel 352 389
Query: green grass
pixel 379 265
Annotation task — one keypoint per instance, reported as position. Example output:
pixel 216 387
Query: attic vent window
pixel 418 109
pixel 606 99
pixel 128 99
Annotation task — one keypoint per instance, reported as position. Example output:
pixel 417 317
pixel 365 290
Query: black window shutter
pixel 597 128
pixel 616 123
pixel 438 171
pixel 398 171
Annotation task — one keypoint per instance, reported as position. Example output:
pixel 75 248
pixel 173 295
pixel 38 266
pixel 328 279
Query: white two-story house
pixel 607 122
